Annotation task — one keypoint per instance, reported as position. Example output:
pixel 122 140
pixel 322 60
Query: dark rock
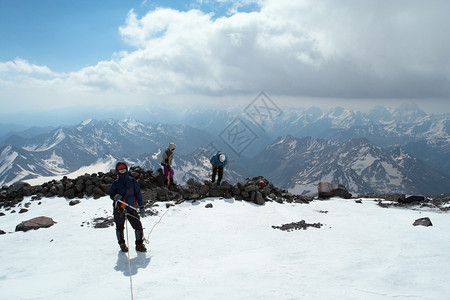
pixel 90 190
pixel 105 188
pixel 204 190
pixel 236 190
pixel 216 191
pixel 251 188
pixel 297 225
pixel 191 182
pixel 102 222
pixel 162 194
pixel 2 214
pixel 74 202
pixel 209 205
pixel 108 180
pixel 135 175
pixel 98 192
pixel 53 190
pixel 23 210
pixel 2 232
pixel 79 187
pixel 327 190
pixel 70 194
pixel 259 199
pixel 238 197
pixel 412 199
pixel 226 186
pixel 423 222
pixel 35 223
pixel 262 183
pixel 393 197
pixel 159 177
pixel 69 185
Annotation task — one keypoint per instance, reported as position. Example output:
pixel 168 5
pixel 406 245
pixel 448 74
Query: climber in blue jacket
pixel 127 190
pixel 218 162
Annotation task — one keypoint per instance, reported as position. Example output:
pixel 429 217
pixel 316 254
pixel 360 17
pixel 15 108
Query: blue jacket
pixel 128 188
pixel 215 160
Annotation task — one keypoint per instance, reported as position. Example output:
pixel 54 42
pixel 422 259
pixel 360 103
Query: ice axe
pixel 126 204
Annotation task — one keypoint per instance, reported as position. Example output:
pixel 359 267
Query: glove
pixel 166 161
pixel 117 197
pixel 168 168
pixel 141 211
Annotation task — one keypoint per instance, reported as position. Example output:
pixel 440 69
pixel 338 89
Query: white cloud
pixel 21 66
pixel 308 48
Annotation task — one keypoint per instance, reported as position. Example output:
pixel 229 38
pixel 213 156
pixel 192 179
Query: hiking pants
pixel 133 218
pixel 215 168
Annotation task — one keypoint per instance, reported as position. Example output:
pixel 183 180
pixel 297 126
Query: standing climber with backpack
pixel 166 162
pixel 218 162
pixel 127 190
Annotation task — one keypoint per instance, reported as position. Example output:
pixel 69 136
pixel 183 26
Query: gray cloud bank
pixel 313 48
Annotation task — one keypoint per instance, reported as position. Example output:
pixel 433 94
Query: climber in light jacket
pixel 166 162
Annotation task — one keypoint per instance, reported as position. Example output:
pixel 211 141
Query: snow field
pixel 229 251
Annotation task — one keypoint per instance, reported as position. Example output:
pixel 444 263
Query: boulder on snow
pixel 74 202
pixel 395 197
pixel 2 232
pixel 35 223
pixel 328 190
pixel 423 222
pixel 412 199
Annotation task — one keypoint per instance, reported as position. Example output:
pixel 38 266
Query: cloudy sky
pixel 66 53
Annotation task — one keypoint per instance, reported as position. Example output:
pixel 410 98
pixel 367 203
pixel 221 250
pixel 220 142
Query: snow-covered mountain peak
pixel 85 122
pixel 131 122
pixel 380 114
pixel 409 113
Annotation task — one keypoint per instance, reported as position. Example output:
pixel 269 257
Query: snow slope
pixel 229 251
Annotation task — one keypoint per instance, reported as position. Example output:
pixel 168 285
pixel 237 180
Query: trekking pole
pixel 169 170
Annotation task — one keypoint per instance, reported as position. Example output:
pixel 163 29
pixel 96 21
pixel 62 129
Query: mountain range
pixel 400 150
pixel 363 167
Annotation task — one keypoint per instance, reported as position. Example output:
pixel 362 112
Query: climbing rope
pixel 146 240
pixel 129 264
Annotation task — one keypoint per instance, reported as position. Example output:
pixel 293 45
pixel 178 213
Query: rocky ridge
pixel 96 185
pixel 257 190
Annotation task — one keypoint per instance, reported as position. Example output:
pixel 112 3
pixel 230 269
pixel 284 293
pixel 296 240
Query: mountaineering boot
pixel 121 240
pixel 123 247
pixel 141 248
pixel 139 241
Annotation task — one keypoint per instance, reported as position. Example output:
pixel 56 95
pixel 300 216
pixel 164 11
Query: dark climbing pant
pixel 133 218
pixel 215 169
